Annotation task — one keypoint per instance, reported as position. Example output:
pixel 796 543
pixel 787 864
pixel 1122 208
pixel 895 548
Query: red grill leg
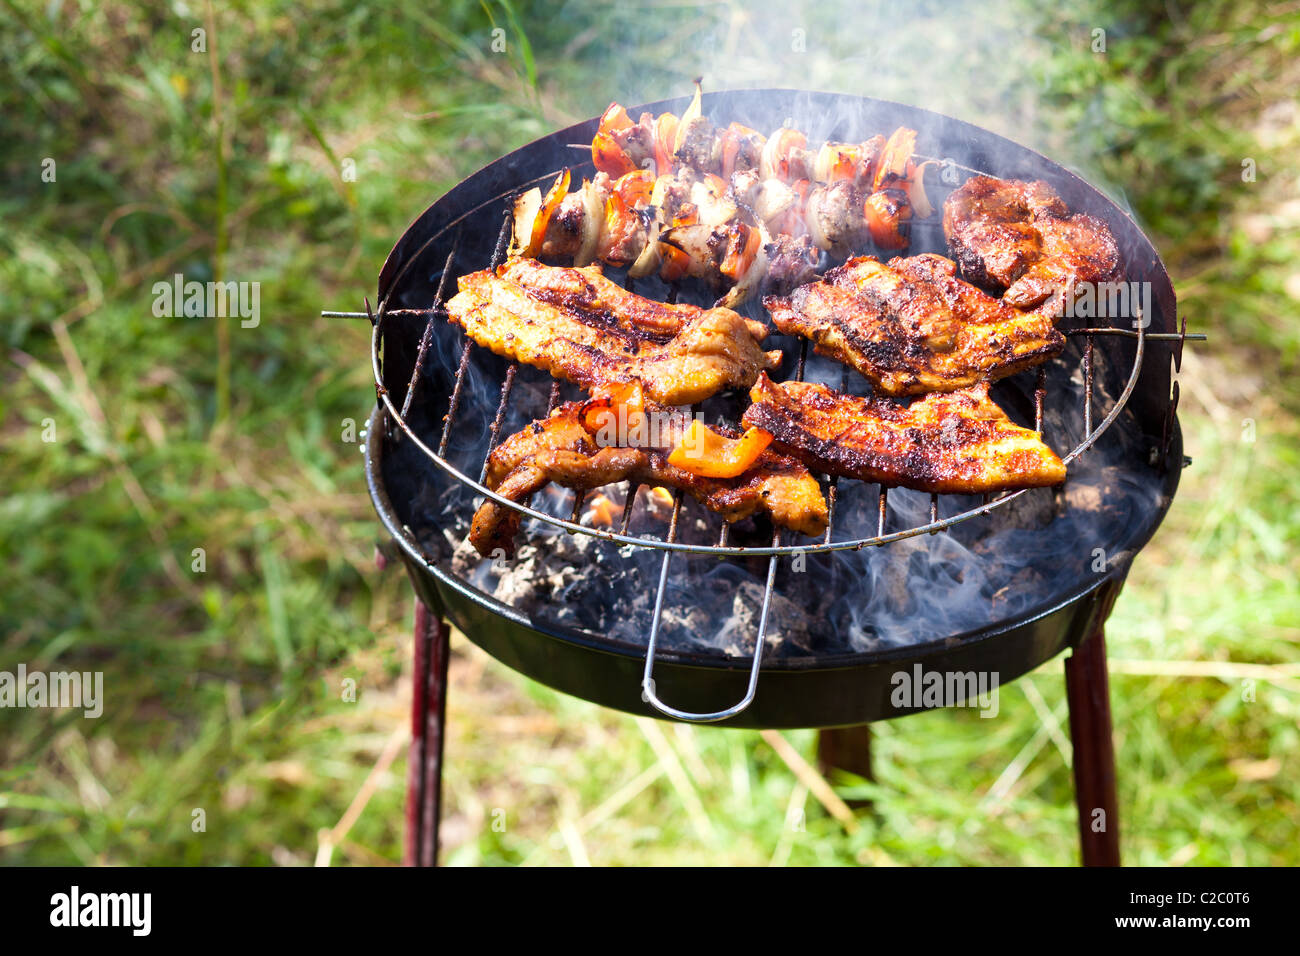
pixel 428 719
pixel 1087 686
pixel 846 748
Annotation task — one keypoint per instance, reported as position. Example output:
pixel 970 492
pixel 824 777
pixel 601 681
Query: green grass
pixel 225 688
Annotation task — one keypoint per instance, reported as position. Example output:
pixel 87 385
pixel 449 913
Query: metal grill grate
pixel 397 418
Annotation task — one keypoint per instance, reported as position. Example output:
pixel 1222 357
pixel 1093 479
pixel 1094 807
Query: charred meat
pixel 564 449
pixel 577 325
pixel 1018 236
pixel 911 326
pixel 950 443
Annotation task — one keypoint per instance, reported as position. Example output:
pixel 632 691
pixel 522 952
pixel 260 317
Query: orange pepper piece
pixel 635 188
pixel 665 136
pixel 614 119
pixel 550 203
pixel 740 255
pixel 613 404
pixel 609 157
pixel 704 452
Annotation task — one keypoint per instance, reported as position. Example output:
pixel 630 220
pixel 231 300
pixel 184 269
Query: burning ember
pixel 602 512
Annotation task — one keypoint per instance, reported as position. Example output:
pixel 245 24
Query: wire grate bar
pixel 1087 386
pixel 1149 336
pixel 579 496
pixel 495 433
pixel 832 493
pixel 628 504
pixel 1040 393
pixel 454 404
pixel 427 337
pixel 498 254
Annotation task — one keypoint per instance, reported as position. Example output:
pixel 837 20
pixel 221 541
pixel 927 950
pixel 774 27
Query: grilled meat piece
pixel 911 326
pixel 699 139
pixel 578 325
pixel 953 443
pixel 834 215
pixel 560 449
pixel 791 262
pixel 1020 237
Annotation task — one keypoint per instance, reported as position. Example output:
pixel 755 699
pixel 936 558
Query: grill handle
pixel 647 681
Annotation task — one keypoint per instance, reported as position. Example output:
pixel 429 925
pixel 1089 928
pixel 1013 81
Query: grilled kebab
pixel 950 443
pixel 679 197
pixel 578 325
pixel 1020 236
pixel 911 326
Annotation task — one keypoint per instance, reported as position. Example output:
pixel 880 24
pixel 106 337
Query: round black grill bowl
pixel 825 690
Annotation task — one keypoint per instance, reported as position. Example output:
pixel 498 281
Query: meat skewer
pixel 741 212
pixel 947 443
pixel 910 326
pixel 665 143
pixel 740 237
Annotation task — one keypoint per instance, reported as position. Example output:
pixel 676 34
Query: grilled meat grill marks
pixel 577 325
pixel 911 326
pixel 1018 236
pixel 560 449
pixel 949 443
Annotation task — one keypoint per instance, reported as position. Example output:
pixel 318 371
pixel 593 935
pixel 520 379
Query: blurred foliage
pixel 224 687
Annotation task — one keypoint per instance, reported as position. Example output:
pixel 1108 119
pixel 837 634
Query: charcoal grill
pixel 444 404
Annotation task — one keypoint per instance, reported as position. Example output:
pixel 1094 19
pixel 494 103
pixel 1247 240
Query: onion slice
pixel 693 112
pixel 593 217
pixel 778 158
pixel 813 220
pixel 527 206
pixel 916 189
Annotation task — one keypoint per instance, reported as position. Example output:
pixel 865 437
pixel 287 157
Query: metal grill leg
pixel 1087 686
pixel 847 749
pixel 428 720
